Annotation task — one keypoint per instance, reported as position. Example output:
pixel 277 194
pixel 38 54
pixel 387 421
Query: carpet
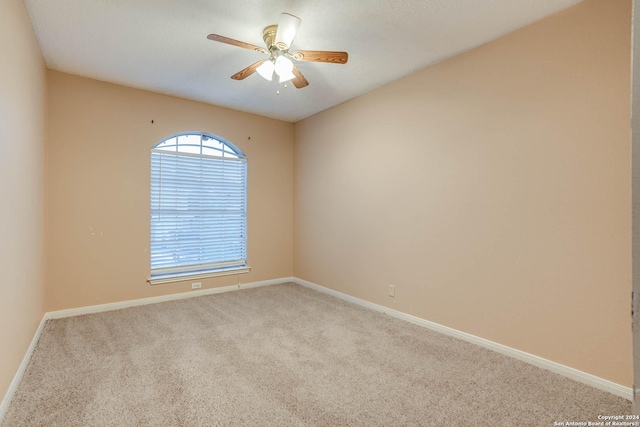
pixel 282 355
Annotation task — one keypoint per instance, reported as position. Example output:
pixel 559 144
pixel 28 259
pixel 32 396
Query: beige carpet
pixel 281 355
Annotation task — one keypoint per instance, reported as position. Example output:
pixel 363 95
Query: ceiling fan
pixel 278 39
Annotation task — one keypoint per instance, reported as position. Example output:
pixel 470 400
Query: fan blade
pixel 287 28
pixel 321 56
pixel 241 75
pixel 299 82
pixel 227 40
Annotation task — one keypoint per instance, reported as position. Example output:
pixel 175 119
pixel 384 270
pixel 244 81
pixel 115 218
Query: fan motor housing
pixel 269 35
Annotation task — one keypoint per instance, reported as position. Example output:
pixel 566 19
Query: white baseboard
pixel 162 298
pixel 566 371
pixel 23 366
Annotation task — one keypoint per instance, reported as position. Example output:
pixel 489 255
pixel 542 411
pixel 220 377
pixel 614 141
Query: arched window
pixel 198 208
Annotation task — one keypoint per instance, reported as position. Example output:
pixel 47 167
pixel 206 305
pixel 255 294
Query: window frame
pixel 225 151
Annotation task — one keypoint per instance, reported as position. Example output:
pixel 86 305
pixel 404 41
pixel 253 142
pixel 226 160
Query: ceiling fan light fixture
pixel 278 39
pixel 266 70
pixel 284 69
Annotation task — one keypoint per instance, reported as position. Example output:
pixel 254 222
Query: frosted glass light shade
pixel 266 70
pixel 287 28
pixel 284 69
pixel 285 77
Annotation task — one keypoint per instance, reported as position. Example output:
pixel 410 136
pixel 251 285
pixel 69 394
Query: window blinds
pixel 198 213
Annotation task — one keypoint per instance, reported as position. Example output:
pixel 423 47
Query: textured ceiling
pixel 161 45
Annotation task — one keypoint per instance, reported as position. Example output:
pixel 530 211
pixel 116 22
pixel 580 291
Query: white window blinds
pixel 198 213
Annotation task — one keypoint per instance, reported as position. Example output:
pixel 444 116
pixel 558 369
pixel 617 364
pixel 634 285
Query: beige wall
pixel 492 189
pixel 22 136
pixel 635 185
pixel 99 141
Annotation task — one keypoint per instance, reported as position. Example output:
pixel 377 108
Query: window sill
pixel 181 277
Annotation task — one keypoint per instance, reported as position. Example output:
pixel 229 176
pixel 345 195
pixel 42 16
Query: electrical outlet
pixel 392 291
pixel 196 285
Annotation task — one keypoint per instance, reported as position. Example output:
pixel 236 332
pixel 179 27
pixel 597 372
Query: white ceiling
pixel 161 45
